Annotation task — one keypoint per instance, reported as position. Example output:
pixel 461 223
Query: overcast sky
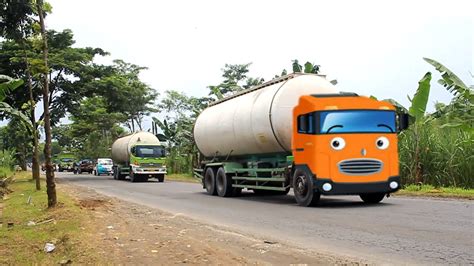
pixel 371 47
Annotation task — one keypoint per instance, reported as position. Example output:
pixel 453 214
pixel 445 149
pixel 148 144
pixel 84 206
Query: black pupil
pixel 380 143
pixel 335 143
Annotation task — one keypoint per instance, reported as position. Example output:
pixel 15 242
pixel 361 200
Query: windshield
pixel 105 161
pixel 366 121
pixel 66 160
pixel 150 151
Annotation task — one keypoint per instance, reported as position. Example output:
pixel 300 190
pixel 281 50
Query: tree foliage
pixel 235 80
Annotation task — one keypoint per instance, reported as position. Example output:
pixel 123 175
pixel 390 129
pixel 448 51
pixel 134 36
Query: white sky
pixel 371 47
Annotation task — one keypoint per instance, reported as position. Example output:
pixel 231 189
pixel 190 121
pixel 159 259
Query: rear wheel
pixel 223 183
pixel 305 194
pixel 120 176
pixel 160 177
pixel 372 198
pixel 210 181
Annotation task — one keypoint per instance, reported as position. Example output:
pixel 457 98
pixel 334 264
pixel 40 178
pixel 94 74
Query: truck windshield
pixel 66 160
pixel 352 121
pixel 150 151
pixel 105 161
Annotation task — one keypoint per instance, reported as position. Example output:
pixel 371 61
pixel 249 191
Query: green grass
pixel 429 190
pixel 182 178
pixel 24 244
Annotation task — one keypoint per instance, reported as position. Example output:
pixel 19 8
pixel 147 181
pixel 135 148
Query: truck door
pixel 303 141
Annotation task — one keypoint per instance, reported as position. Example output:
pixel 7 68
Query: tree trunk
pixel 35 158
pixel 50 184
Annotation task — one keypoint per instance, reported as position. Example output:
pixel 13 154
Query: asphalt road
pixel 399 230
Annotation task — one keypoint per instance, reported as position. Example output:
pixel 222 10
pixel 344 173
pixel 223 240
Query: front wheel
pixel 305 194
pixel 134 177
pixel 372 198
pixel 160 177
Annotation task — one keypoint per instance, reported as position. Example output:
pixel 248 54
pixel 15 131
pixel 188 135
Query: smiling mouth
pixel 360 166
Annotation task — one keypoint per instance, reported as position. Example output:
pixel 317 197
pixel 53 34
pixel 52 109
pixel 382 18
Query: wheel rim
pixel 301 188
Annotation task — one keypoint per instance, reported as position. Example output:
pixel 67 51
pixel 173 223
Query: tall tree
pixel 235 80
pixel 50 183
pixel 125 93
pixel 17 24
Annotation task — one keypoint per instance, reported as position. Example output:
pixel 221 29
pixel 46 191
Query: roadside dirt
pixel 126 233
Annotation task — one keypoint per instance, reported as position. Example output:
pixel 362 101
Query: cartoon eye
pixel 382 143
pixel 338 143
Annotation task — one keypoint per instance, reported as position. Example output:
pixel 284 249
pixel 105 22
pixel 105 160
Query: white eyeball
pixel 382 143
pixel 338 143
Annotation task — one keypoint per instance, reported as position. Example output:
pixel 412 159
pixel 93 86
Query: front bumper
pixel 105 171
pixel 149 171
pixel 356 188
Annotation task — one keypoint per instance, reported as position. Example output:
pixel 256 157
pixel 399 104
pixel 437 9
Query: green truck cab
pixel 140 156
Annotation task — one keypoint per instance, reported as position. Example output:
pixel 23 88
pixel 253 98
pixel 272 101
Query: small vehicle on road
pixel 66 164
pixel 84 166
pixel 104 166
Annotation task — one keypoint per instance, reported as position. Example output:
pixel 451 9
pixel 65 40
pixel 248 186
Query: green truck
pixel 65 161
pixel 140 156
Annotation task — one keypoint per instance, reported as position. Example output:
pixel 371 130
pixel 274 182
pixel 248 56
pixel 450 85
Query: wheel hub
pixel 301 185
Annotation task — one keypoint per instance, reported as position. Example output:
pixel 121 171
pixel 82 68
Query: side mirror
pixel 403 121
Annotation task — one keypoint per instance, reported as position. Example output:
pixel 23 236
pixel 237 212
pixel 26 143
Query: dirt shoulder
pixel 128 233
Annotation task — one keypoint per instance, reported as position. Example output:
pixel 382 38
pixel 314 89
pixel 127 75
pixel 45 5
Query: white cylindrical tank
pixel 256 122
pixel 121 147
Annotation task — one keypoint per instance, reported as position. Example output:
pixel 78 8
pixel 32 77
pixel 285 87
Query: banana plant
pixel 9 85
pixel 420 99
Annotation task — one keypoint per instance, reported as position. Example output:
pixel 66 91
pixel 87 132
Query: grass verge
pixel 431 191
pixel 182 178
pixel 62 226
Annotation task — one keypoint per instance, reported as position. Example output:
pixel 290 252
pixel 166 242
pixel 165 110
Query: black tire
pixel 223 183
pixel 210 181
pixel 372 198
pixel 134 178
pixel 305 194
pixel 160 177
pixel 120 176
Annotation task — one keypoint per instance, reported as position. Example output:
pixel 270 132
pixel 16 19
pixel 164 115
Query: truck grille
pixel 360 166
pixel 150 164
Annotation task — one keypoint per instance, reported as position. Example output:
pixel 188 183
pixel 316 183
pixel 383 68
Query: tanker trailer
pixel 140 156
pixel 299 132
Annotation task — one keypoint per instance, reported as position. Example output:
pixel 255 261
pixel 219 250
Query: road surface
pixel 399 230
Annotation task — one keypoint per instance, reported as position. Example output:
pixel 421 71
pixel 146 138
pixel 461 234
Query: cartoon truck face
pixel 347 143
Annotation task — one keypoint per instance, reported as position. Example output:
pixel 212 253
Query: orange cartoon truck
pixel 299 132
